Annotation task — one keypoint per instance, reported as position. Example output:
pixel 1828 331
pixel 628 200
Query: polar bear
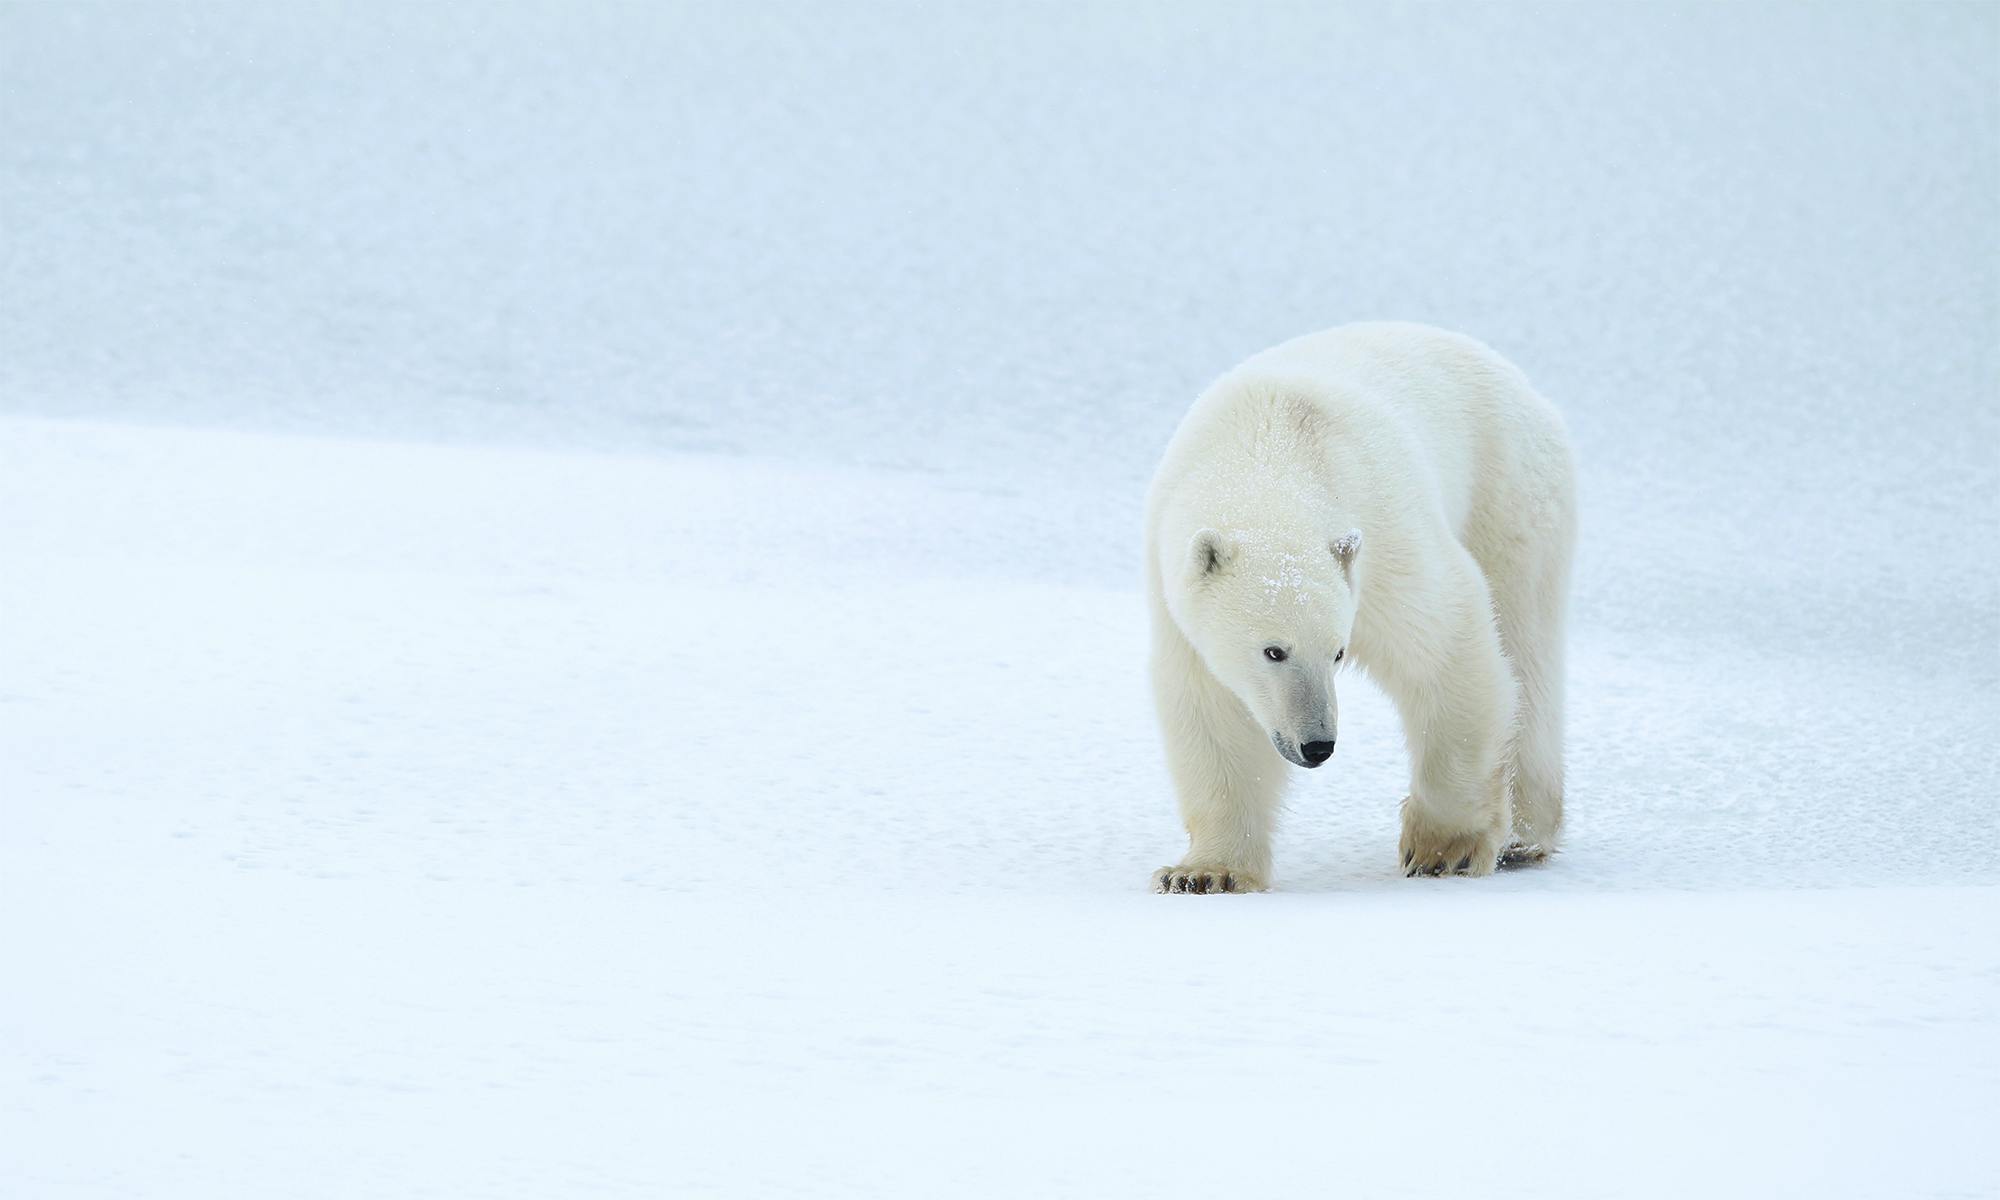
pixel 1386 496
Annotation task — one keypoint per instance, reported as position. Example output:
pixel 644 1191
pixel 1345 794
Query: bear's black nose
pixel 1316 753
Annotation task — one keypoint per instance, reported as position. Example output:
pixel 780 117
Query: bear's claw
pixel 1200 881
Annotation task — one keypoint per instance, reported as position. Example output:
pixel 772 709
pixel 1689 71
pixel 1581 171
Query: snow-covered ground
pixel 568 610
pixel 393 820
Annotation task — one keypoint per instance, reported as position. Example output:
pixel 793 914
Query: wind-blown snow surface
pixel 568 610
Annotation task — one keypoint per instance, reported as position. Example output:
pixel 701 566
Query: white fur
pixel 1395 495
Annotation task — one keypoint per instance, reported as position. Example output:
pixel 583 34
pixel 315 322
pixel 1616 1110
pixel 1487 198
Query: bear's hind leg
pixel 1529 601
pixel 1537 759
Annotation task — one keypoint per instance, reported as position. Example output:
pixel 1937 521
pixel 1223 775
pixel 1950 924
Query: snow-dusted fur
pixel 1382 495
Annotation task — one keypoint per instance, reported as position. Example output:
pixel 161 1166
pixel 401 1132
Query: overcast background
pixel 1006 247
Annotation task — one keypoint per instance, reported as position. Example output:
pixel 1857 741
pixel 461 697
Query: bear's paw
pixel 1428 848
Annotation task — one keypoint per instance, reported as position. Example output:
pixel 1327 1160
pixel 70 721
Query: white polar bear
pixel 1385 495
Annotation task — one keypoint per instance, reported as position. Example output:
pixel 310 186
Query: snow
pixel 469 821
pixel 569 620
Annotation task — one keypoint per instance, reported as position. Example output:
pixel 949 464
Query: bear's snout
pixel 1316 753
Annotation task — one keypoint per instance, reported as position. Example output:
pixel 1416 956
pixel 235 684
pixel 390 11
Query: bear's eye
pixel 1274 654
pixel 1339 654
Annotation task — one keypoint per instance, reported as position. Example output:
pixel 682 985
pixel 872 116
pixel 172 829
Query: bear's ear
pixel 1344 548
pixel 1210 551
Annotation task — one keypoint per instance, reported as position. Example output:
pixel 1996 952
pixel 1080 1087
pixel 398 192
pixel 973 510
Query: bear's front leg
pixel 1447 843
pixel 1456 819
pixel 1227 774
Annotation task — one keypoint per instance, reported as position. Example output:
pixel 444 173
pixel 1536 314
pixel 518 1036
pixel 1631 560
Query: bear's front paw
pixel 1431 849
pixel 1203 879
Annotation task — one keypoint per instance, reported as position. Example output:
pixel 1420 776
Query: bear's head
pixel 1270 615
